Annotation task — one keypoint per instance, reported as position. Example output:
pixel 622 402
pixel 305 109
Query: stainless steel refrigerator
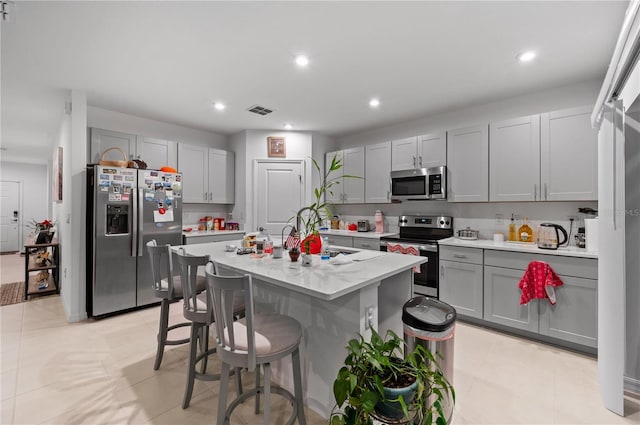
pixel 126 208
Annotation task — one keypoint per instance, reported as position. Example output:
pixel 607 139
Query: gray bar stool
pixel 252 342
pixel 168 288
pixel 199 311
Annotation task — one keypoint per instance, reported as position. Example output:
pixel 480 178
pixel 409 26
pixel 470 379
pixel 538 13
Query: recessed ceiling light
pixel 288 127
pixel 527 56
pixel 302 61
pixel 374 103
pixel 219 106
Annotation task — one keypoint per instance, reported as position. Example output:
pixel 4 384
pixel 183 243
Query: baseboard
pixel 632 385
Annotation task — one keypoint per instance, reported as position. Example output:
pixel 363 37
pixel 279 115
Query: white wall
pixel 321 145
pixel 548 100
pixel 250 145
pixel 117 121
pixel 35 187
pixel 70 214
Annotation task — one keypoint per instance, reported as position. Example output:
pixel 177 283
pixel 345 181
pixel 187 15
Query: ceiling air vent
pixel 260 110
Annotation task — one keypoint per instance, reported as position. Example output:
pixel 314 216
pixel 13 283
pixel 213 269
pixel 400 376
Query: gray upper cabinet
pixel 377 170
pixel 569 155
pixel 428 150
pixel 221 176
pixel 350 190
pixel 157 153
pixel 432 150
pixel 208 173
pixel 334 194
pixel 514 159
pixel 193 163
pixel 102 140
pixel 404 154
pixel 468 164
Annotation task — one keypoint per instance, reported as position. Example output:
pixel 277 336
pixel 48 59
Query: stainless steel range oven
pixel 419 235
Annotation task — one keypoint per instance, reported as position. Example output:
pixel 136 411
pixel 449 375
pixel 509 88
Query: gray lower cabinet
pixel 574 317
pixel 461 286
pixel 212 238
pixel 346 241
pixel 461 280
pixel 502 300
pixel 366 243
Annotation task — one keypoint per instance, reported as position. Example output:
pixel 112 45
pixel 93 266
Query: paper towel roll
pixel 591 234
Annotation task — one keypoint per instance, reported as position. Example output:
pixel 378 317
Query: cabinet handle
pixel 205 196
pixel 545 191
pixel 459 256
pixel 420 160
pixel 535 192
pixel 210 196
pixel 414 162
pixel 365 245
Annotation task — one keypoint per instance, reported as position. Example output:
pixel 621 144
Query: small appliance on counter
pixel 468 234
pixel 549 238
pixel 363 225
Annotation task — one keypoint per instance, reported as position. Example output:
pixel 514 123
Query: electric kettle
pixel 548 236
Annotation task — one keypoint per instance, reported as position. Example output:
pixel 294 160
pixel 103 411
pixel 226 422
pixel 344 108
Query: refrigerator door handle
pixel 134 224
pixel 140 221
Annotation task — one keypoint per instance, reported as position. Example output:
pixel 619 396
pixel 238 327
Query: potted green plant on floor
pixel 377 382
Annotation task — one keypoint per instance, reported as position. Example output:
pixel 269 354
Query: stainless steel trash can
pixel 431 323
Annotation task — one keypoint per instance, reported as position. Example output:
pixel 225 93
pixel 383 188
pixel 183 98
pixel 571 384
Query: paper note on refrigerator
pixel 163 218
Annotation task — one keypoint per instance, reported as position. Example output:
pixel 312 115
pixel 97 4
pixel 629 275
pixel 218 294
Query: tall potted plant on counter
pixel 310 218
pixel 376 382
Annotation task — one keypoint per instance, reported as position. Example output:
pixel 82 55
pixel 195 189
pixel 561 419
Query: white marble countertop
pixel 322 280
pixel 354 233
pixel 570 251
pixel 211 232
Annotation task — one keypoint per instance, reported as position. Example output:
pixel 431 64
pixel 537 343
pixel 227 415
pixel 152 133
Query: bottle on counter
pixel 324 253
pixel 379 221
pixel 512 230
pixel 525 233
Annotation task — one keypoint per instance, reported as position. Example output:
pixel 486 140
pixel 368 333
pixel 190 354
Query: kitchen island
pixel 333 303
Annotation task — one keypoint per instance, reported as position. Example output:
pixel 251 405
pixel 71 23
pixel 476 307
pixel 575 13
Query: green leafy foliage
pixel 311 217
pixel 372 365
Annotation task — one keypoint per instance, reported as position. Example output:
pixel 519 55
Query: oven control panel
pixel 433 222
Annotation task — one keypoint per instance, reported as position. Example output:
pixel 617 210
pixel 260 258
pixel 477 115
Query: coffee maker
pixel 581 237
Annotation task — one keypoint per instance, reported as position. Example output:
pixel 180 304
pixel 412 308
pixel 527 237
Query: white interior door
pixel 9 216
pixel 278 193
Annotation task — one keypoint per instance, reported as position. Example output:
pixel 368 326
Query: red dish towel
pixel 404 249
pixel 538 282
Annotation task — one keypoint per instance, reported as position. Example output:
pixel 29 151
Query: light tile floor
pixel 100 372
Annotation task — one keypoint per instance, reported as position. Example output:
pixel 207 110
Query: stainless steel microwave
pixel 419 184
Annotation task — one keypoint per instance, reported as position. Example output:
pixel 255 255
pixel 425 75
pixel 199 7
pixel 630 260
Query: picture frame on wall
pixel 276 147
pixel 57 174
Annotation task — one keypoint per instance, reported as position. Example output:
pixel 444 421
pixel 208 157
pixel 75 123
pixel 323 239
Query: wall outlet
pixel 499 218
pixel 368 317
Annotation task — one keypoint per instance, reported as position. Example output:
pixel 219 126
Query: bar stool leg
pixel 238 377
pixel 191 365
pixel 258 391
pixel 267 394
pixel 297 386
pixel 162 332
pixel 222 396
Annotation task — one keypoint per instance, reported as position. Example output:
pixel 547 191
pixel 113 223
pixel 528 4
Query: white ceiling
pixel 169 60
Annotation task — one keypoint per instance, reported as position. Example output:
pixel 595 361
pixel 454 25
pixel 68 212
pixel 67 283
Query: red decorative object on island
pixel 314 242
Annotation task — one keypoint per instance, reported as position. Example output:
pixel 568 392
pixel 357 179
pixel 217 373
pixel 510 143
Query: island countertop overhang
pixel 322 280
